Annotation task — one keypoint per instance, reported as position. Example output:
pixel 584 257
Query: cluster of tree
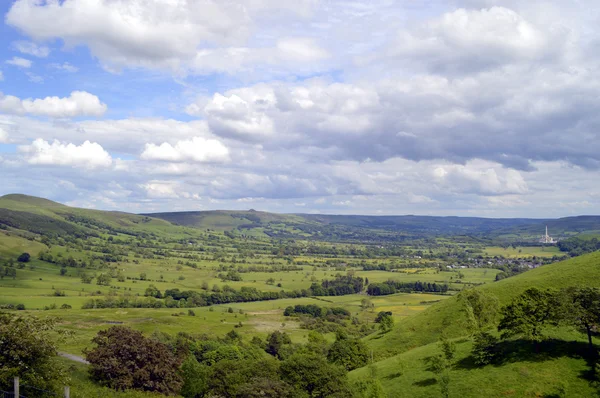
pixel 230 276
pixel 578 246
pixel 174 298
pixel 385 321
pixel 19 307
pixel 193 366
pixel 8 272
pixel 340 286
pixel 391 287
pixel 528 315
pixel 262 268
pixel 315 311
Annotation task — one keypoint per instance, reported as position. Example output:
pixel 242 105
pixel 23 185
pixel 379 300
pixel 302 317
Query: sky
pixel 458 107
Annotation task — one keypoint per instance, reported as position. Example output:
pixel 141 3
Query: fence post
pixel 67 392
pixel 16 386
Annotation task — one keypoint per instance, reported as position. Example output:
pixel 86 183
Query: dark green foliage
pixel 313 374
pixel 391 287
pixel 582 309
pixel 484 348
pixel 481 309
pixel 528 313
pixel 152 291
pixel 103 279
pixel 315 311
pixel 24 258
pixel 349 353
pixel 386 323
pixel 231 276
pixel 339 286
pixel 124 359
pixel 28 349
pixel 275 343
pixel 577 246
pixel 381 314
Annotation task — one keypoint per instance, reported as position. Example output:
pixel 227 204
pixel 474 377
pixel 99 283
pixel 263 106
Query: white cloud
pixel 482 177
pixel 79 103
pixel 30 48
pixel 1 76
pixel 195 150
pixel 65 66
pixel 3 136
pixel 20 62
pixel 89 155
pixel 158 33
pixel 162 189
pixel 301 49
pixel 34 78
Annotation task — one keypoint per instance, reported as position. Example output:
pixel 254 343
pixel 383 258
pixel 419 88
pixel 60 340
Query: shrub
pixel 125 359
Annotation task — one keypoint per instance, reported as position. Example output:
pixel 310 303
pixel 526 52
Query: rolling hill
pixel 554 368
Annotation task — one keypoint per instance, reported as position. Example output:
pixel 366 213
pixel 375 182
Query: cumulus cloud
pixel 20 62
pixel 79 103
pixel 89 155
pixel 480 177
pixel 3 136
pixel 195 150
pixel 470 40
pixel 159 34
pixel 30 48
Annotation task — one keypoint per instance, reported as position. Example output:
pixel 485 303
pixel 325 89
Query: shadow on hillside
pixel 512 351
pixel 425 383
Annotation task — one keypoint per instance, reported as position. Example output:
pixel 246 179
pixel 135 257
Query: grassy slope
pixel 425 328
pixel 528 374
pixel 552 369
pixel 24 208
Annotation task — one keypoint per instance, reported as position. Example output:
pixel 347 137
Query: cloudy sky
pixel 465 107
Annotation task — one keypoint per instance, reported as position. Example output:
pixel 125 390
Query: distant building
pixel 547 238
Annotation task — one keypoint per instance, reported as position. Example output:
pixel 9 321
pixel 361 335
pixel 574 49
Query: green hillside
pixel 426 327
pixel 556 367
pixel 43 216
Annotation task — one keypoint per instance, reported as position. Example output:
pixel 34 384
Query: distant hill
pixel 38 214
pixel 380 228
pixel 44 217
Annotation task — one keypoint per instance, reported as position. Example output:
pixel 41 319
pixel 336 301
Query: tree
pixel 583 309
pixel 481 309
pixel 28 349
pixel 152 291
pixel 63 271
pixel 349 353
pixel 313 374
pixel 103 279
pixel 276 341
pixel 24 258
pixel 386 323
pixel 124 359
pixel 528 313
pixel 86 278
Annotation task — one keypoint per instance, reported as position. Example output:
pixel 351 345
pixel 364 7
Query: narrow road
pixel 75 358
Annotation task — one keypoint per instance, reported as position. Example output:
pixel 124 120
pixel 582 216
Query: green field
pixel 521 252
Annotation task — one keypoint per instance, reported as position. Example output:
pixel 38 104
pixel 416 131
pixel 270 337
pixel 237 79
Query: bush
pixel 124 359
pixel 484 348
pixel 24 258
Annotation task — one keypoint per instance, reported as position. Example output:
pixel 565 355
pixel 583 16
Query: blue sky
pixel 467 107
